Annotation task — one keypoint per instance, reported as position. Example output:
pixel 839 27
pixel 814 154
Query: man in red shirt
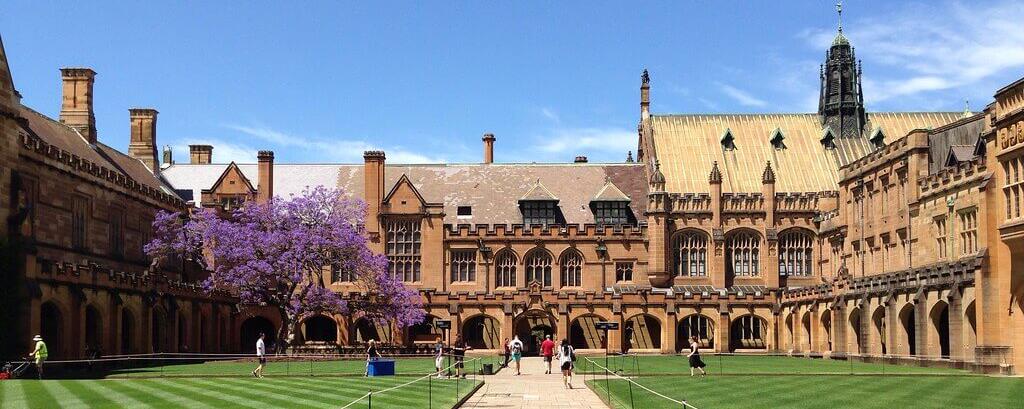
pixel 547 348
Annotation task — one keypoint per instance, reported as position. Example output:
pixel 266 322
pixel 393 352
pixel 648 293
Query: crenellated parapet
pixel 800 202
pixel 879 157
pixel 742 202
pixel 691 203
pixel 534 231
pixel 93 275
pixel 954 177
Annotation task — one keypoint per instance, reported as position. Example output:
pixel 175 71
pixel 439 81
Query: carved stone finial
pixel 716 175
pixel 657 178
pixel 645 78
pixel 629 157
pixel 769 175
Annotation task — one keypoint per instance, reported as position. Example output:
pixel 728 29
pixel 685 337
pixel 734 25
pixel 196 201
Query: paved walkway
pixel 533 390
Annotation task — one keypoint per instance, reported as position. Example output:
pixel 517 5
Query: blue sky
pixel 324 81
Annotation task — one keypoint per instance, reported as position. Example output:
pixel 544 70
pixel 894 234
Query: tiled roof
pixel 59 135
pixel 687 145
pixel 492 190
pixel 610 193
pixel 953 139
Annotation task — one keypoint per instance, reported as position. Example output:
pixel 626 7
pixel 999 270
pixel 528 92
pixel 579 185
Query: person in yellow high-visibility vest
pixel 40 354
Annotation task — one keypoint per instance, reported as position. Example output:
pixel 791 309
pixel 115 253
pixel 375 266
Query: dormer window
pixel 728 141
pixel 538 212
pixel 777 139
pixel 828 138
pixel 878 138
pixel 611 212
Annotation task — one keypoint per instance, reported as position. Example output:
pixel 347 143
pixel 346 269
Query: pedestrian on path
pixel 261 356
pixel 566 357
pixel 694 355
pixel 517 352
pixel 40 353
pixel 547 349
pixel 439 357
pixel 508 354
pixel 459 352
pixel 371 353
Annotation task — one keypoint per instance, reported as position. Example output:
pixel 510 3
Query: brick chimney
pixel 489 148
pixel 265 187
pixel 200 154
pixel 581 159
pixel 142 145
pixel 76 108
pixel 373 188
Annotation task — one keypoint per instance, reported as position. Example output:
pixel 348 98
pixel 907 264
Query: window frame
pixel 462 265
pixel 690 260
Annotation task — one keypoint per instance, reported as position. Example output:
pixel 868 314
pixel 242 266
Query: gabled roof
pixel 538 193
pixel 231 168
pixel 404 181
pixel 877 137
pixel 610 193
pixel 959 153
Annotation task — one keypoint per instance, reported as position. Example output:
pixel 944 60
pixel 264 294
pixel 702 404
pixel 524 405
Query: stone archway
pixel 250 331
pixel 158 330
pixel 320 329
pixel 879 328
pixel 826 326
pixel 806 326
pixel 531 327
pixel 364 330
pixel 856 344
pixel 940 328
pixel 695 325
pixel 748 332
pixel 93 331
pixel 642 331
pixel 583 333
pixel 424 333
pixel 128 328
pixel 51 328
pixel 908 335
pixel 482 332
pixel 970 331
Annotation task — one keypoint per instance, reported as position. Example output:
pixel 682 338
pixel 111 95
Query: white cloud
pixel 223 151
pixel 743 97
pixel 342 150
pixel 581 141
pixel 935 46
pixel 551 115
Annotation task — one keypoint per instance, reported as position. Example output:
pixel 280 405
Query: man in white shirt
pixel 261 355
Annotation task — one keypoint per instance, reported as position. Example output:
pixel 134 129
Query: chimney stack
pixel 200 154
pixel 581 159
pixel 265 187
pixel 373 188
pixel 488 148
pixel 142 145
pixel 76 109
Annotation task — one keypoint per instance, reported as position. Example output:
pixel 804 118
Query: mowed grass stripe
pixel 341 390
pixel 172 399
pixel 119 394
pixel 13 395
pixel 297 395
pixel 68 399
pixel 182 386
pixel 38 396
pixel 414 394
pixel 258 393
pixel 88 395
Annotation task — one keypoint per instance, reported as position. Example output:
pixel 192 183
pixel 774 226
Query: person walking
pixel 694 355
pixel 566 357
pixel 40 353
pixel 439 357
pixel 507 355
pixel 371 353
pixel 261 356
pixel 547 350
pixel 517 352
pixel 459 352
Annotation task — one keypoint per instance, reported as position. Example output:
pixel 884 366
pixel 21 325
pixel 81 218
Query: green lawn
pixel 802 383
pixel 228 384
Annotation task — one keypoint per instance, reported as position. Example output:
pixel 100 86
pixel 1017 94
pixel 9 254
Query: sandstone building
pixel 840 233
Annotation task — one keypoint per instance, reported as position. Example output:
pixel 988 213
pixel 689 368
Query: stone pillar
pixel 75 342
pixel 921 323
pixel 956 326
pixel 507 320
pixel 670 330
pixel 615 338
pixel 724 327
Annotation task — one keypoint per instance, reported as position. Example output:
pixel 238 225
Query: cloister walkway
pixel 533 389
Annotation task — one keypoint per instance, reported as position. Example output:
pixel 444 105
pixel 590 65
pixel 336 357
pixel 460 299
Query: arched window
pixel 538 267
pixel 691 252
pixel 743 254
pixel 572 269
pixel 795 251
pixel 505 270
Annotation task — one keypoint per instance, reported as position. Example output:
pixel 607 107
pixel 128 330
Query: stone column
pixel 724 327
pixel 670 330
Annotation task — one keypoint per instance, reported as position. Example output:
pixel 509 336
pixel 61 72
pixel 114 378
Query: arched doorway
pixel 127 331
pixel 748 332
pixel 252 328
pixel 790 332
pixel 52 329
pixel 855 332
pixel 806 333
pixel 425 332
pixel 908 337
pixel 826 326
pixel 642 331
pixel 583 333
pixel 202 334
pixel 183 334
pixel 695 325
pixel 971 332
pixel 532 327
pixel 93 331
pixel 940 323
pixel 482 332
pixel 158 327
pixel 320 329
pixel 879 328
pixel 364 330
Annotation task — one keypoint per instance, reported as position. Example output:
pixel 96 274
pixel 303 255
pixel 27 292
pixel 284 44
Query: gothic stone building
pixel 74 214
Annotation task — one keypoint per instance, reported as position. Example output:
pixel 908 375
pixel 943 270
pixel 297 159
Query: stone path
pixel 533 389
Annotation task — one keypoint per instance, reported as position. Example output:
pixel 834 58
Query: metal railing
pixel 464 385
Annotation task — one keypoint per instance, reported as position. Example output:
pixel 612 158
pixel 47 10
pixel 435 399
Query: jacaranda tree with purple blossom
pixel 276 254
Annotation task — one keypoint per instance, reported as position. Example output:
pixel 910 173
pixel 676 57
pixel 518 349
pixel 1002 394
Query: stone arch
pixel 52 328
pixel 482 331
pixel 806 327
pixel 748 331
pixel 742 254
pixel 940 328
pixel 570 267
pixel 790 327
pixel 826 326
pixel 698 325
pixel 183 332
pixel 506 264
pixel 531 327
pixel 250 331
pixel 320 329
pixel 583 333
pixel 364 330
pixel 129 328
pixel 880 330
pixel 690 253
pixel 642 331
pixel 538 266
pixel 425 332
pixel 856 334
pixel 93 330
pixel 158 329
pixel 970 330
pixel 908 333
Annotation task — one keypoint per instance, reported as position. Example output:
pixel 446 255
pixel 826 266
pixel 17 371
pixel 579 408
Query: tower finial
pixel 839 10
pixel 967 108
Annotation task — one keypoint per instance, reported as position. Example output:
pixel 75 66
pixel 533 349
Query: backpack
pixel 517 348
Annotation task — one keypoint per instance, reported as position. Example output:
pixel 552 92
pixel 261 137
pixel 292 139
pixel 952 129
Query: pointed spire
pixel 645 78
pixel 769 175
pixel 839 11
pixel 657 178
pixel 840 38
pixel 967 109
pixel 716 175
pixel 629 157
